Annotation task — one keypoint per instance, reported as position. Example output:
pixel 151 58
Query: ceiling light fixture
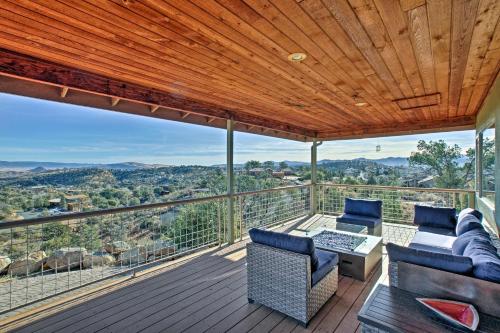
pixel 297 57
pixel 359 101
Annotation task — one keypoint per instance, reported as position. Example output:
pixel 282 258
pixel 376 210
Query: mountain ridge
pixel 37 166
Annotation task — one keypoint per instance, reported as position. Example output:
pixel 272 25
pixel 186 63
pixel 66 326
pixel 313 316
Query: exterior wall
pixel 488 115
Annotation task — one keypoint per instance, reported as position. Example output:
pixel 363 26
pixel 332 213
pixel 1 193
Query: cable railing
pixel 43 257
pixel 268 208
pixel 398 202
pixel 46 256
pixel 51 255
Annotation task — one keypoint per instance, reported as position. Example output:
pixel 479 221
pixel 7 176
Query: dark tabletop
pixel 396 310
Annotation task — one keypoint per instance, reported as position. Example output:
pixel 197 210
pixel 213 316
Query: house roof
pixel 371 68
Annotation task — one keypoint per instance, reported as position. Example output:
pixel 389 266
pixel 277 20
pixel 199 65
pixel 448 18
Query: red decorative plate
pixel 462 314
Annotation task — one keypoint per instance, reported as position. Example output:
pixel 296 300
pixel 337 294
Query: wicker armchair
pixel 281 280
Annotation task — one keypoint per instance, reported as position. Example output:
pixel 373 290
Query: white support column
pixel 230 180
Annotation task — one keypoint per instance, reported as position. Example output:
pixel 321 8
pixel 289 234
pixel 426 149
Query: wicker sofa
pixel 449 257
pixel 287 274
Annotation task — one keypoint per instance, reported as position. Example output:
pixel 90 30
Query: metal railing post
pixel 230 181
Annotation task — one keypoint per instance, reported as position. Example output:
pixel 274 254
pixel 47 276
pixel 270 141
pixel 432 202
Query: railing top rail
pixel 83 215
pixel 275 189
pixel 401 188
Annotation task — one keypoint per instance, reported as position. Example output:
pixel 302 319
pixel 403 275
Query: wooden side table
pixel 390 309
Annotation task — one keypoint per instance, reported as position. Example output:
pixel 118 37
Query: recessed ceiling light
pixel 297 57
pixel 358 101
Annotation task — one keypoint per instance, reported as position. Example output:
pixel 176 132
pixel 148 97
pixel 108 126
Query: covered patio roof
pixel 366 67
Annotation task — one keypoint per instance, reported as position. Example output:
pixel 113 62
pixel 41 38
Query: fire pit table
pixel 358 254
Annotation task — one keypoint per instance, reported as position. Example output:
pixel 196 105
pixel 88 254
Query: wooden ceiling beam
pixel 445 125
pixel 30 68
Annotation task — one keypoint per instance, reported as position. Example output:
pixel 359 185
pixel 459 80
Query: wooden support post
pixel 230 180
pixel 314 176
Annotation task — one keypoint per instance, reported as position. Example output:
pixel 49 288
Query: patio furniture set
pixel 450 257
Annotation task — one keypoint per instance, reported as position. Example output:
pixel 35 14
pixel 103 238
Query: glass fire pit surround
pixel 343 241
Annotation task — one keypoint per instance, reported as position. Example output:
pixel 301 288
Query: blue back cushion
pixel 435 217
pixel 441 261
pixel 468 219
pixel 464 239
pixel 297 244
pixel 485 260
pixel 372 208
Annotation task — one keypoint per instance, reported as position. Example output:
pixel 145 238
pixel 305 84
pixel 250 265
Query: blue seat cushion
pixel 435 217
pixel 367 221
pixel 441 261
pixel 485 260
pixel 297 244
pixel 464 239
pixel 468 219
pixel 371 208
pixel 439 231
pixel 326 262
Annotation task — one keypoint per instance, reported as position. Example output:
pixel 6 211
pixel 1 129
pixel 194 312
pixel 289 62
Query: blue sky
pixel 38 130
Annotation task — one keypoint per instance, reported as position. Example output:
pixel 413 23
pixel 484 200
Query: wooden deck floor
pixel 204 294
pixel 207 294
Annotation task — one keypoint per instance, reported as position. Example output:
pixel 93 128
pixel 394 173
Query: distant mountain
pixel 37 167
pixel 389 161
pixel 42 166
pixel 38 170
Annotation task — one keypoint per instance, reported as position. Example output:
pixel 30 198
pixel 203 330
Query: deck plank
pixel 112 306
pixel 217 316
pixel 181 273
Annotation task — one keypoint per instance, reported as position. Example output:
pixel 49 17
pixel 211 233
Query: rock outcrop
pixel 160 248
pixel 117 247
pixel 133 256
pixel 4 264
pixel 72 256
pixel 98 259
pixel 33 263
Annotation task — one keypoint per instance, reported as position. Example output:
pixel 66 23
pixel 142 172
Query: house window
pixel 488 164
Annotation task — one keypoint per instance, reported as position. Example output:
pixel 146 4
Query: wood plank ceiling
pixel 372 67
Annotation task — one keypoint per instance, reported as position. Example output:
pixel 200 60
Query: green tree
pixel 441 159
pixel 371 180
pixel 283 165
pixel 251 165
pixel 268 165
pixel 55 236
